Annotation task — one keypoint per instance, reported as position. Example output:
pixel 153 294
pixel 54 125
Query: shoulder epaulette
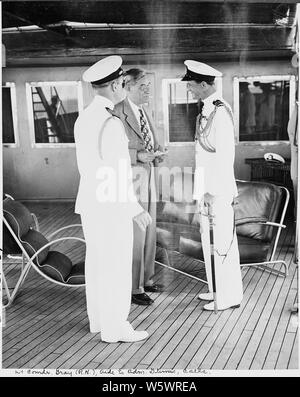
pixel 218 103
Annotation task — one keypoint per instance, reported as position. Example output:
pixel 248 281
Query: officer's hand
pixel 145 157
pixel 143 219
pixel 209 199
pixel 160 154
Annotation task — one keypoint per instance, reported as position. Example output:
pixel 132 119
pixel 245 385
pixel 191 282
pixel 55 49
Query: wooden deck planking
pixel 285 351
pixel 81 348
pixel 164 331
pixel 113 351
pixel 235 322
pixel 72 340
pixel 207 353
pixel 268 305
pixel 48 307
pixel 237 351
pixel 248 351
pixel 53 330
pixel 112 357
pixel 45 310
pixel 253 310
pixel 276 344
pixel 33 289
pixel 27 315
pixel 48 333
pixel 155 322
pixel 233 334
pixel 259 319
pixel 294 359
pixel 173 343
pixel 207 320
pixel 280 304
pixel 279 335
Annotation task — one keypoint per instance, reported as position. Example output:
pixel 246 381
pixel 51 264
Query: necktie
pixel 145 132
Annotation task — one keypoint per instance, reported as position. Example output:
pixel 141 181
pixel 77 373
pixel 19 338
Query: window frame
pixel 236 105
pixel 29 86
pixel 165 85
pixel 13 98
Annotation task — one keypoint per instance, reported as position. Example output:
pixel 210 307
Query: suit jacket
pixel 133 129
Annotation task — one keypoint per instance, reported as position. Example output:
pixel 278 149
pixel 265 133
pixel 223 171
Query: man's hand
pixel 160 154
pixel 209 199
pixel 145 157
pixel 143 220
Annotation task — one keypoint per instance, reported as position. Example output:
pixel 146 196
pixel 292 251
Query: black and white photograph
pixel 149 172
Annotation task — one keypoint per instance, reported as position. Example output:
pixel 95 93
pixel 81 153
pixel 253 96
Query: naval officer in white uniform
pixel 107 205
pixel 215 150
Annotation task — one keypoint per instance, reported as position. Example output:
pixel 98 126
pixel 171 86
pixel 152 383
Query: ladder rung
pixel 39 111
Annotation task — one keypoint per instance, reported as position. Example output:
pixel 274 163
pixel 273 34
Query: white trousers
pixel 229 286
pixel 108 273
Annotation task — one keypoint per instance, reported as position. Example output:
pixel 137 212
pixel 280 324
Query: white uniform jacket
pixel 218 166
pixel 101 144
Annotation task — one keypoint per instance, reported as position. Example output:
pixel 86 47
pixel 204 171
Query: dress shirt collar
pixel 136 110
pixel 134 107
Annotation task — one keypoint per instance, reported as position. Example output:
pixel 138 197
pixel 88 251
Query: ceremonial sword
pixel 212 256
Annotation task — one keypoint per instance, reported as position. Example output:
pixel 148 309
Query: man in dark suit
pixel 143 150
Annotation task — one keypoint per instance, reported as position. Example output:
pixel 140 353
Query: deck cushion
pixel 252 250
pixel 77 274
pixel 32 242
pixel 256 202
pixel 57 266
pixel 18 216
pixel 187 240
pixel 9 244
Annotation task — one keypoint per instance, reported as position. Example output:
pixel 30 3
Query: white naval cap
pixel 199 71
pixel 107 69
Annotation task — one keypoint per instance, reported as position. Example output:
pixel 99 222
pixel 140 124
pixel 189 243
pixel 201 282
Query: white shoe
pixel 208 296
pixel 211 307
pixel 135 336
pixel 132 336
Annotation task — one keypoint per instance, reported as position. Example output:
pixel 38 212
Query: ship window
pixel 9 116
pixel 53 111
pixel 180 111
pixel 262 107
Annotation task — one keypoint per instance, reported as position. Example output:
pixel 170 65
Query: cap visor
pixel 186 78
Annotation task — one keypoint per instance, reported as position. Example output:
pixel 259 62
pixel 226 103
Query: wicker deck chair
pixel 21 236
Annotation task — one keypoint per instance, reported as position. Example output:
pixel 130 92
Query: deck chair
pixel 21 236
pixel 260 210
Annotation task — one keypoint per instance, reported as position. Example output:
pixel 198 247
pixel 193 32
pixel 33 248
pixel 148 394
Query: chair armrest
pixel 53 242
pixel 64 228
pixel 36 222
pixel 275 224
pixel 266 223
